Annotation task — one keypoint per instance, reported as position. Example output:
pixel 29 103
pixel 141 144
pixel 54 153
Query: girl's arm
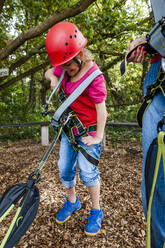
pixel 49 75
pixel 101 121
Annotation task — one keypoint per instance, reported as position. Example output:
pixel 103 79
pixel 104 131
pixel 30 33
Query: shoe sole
pixel 92 234
pixel 61 222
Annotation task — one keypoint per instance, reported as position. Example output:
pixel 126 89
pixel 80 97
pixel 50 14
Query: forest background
pixel 109 26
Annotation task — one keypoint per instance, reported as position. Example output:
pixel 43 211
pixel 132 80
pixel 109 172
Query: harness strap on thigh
pixel 88 156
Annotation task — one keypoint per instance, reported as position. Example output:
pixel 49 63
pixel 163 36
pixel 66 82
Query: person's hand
pixel 53 82
pixel 139 54
pixel 91 140
pixel 49 75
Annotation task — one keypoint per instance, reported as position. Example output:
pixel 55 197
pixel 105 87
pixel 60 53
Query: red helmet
pixel 63 42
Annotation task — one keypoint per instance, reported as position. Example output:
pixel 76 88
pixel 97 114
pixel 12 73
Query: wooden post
pixel 45 135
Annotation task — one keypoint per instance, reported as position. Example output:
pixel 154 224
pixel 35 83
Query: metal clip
pixel 67 119
pixel 45 113
pixel 163 64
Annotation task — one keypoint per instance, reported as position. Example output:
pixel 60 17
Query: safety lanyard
pixel 53 92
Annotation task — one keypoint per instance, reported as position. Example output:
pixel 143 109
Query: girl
pixel 65 46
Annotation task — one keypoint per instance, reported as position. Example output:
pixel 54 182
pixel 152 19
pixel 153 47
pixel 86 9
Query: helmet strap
pixel 78 62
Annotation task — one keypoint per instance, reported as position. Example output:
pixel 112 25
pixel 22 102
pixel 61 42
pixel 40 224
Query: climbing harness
pixel 152 90
pixel 81 131
pixel 65 120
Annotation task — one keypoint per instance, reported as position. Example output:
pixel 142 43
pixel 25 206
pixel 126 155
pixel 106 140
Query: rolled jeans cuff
pixel 94 182
pixel 69 184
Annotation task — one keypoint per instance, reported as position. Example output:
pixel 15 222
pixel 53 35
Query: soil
pixel 120 169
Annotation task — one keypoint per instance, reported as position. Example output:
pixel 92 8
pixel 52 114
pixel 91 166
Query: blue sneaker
pixel 93 226
pixel 67 210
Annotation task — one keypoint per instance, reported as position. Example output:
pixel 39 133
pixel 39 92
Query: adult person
pixel 151 118
pixel 65 46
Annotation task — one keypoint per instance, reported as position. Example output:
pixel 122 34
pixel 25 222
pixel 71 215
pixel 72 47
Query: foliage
pixel 109 27
pixel 122 135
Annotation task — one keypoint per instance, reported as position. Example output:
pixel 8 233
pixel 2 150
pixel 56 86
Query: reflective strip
pixel 10 228
pixel 6 213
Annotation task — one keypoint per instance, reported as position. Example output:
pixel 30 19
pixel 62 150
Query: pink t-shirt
pixel 84 105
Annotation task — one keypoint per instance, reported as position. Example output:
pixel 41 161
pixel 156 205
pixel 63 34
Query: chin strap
pixel 78 62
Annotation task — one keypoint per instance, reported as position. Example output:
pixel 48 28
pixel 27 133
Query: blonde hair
pixel 87 55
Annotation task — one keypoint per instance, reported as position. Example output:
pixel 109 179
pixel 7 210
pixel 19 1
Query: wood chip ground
pixel 120 169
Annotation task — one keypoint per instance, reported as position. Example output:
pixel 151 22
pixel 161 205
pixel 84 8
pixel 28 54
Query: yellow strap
pixel 6 213
pixel 160 153
pixel 10 228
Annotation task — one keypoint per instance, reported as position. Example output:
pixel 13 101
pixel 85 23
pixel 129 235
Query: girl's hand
pixel 49 75
pixel 53 82
pixel 91 140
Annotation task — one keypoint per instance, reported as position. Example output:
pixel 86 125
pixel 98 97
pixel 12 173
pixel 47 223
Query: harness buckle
pixel 82 133
pixel 45 113
pixel 67 119
pixel 160 124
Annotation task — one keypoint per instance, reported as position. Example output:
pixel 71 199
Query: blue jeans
pixel 69 158
pixel 151 118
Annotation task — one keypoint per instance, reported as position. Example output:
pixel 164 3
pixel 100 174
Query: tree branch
pixel 23 60
pixel 1 4
pixel 34 32
pixel 113 62
pixel 22 75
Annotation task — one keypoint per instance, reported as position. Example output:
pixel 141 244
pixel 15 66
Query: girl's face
pixel 71 67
